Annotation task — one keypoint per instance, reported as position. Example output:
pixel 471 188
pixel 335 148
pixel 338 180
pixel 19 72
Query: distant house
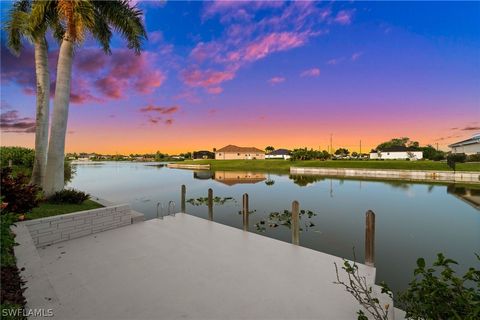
pixel 232 152
pixel 86 156
pixel 279 154
pixel 198 155
pixel 469 146
pixel 397 153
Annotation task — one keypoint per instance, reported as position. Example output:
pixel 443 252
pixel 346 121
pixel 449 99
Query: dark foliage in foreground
pixel 17 193
pixel 436 292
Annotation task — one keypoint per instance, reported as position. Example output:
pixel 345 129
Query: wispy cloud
pixel 10 121
pixel 355 56
pixel 471 128
pixel 250 36
pixel 156 114
pixel 161 110
pixel 314 72
pixel 344 17
pixel 334 61
pixel 276 80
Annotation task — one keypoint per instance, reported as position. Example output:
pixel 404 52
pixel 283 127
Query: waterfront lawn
pixel 284 165
pixel 46 209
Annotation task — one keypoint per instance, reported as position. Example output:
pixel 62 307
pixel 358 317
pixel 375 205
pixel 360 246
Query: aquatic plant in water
pixel 204 201
pixel 276 219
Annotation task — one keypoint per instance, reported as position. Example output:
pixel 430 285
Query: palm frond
pixel 125 19
pixel 16 25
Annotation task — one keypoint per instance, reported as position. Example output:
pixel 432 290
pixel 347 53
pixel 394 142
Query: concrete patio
pixel 183 267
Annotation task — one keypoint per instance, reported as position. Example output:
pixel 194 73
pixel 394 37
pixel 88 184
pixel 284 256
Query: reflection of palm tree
pixel 269 182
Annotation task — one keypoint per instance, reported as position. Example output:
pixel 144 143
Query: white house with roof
pixel 469 146
pixel 396 153
pixel 279 154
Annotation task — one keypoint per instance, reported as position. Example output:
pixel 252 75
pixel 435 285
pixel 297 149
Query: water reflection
pixel 231 178
pixel 466 193
pixel 413 219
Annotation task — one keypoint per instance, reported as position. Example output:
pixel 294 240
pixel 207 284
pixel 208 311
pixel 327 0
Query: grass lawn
pixel 46 209
pixel 284 165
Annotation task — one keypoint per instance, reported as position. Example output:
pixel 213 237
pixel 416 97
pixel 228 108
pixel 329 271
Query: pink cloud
pixel 236 9
pixel 204 51
pixel 272 43
pixel 215 90
pixel 288 25
pixel 208 79
pixel 150 81
pixel 110 86
pixel 314 72
pixel 276 80
pixel 344 17
pixel 155 36
pixel 96 77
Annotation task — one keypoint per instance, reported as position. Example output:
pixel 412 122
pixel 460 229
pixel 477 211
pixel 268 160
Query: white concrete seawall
pixel 409 175
pixel 188 166
pixel 64 227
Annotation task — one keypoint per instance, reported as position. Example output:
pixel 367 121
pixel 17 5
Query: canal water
pixel 412 219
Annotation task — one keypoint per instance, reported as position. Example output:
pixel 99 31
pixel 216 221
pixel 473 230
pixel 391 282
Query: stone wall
pixel 55 229
pixel 409 175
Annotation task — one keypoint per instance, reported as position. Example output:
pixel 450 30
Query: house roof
pixel 280 152
pixel 233 148
pixel 396 149
pixel 473 140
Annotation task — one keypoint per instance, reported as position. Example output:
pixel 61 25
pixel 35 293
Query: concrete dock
pixel 183 267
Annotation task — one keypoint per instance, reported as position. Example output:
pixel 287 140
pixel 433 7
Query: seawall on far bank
pixel 412 175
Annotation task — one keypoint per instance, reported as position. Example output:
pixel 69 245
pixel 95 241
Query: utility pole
pixel 331 145
pixel 437 146
pixel 360 146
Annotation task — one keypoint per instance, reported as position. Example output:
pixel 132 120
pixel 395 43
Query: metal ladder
pixel 169 208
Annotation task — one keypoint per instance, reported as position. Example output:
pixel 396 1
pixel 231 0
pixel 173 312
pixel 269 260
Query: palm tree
pixel 80 17
pixel 20 25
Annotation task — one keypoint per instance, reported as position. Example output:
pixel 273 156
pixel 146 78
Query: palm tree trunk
pixel 54 179
pixel 43 106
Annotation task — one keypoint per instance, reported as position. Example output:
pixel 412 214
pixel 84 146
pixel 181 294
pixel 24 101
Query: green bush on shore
pixel 22 161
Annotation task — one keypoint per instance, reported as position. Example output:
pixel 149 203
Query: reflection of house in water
pixel 203 175
pixel 233 177
pixel 469 195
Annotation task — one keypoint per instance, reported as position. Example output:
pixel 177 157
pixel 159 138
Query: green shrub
pixel 473 158
pixel 437 293
pixel 69 196
pixel 18 195
pixel 69 171
pixel 20 156
pixel 8 240
pixel 454 158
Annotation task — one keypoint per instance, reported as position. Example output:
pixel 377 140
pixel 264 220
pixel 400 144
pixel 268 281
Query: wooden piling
pixel 182 200
pixel 295 222
pixel 210 204
pixel 370 238
pixel 245 212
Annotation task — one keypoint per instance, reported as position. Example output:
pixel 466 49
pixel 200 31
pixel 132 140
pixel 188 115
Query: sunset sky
pixel 286 74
